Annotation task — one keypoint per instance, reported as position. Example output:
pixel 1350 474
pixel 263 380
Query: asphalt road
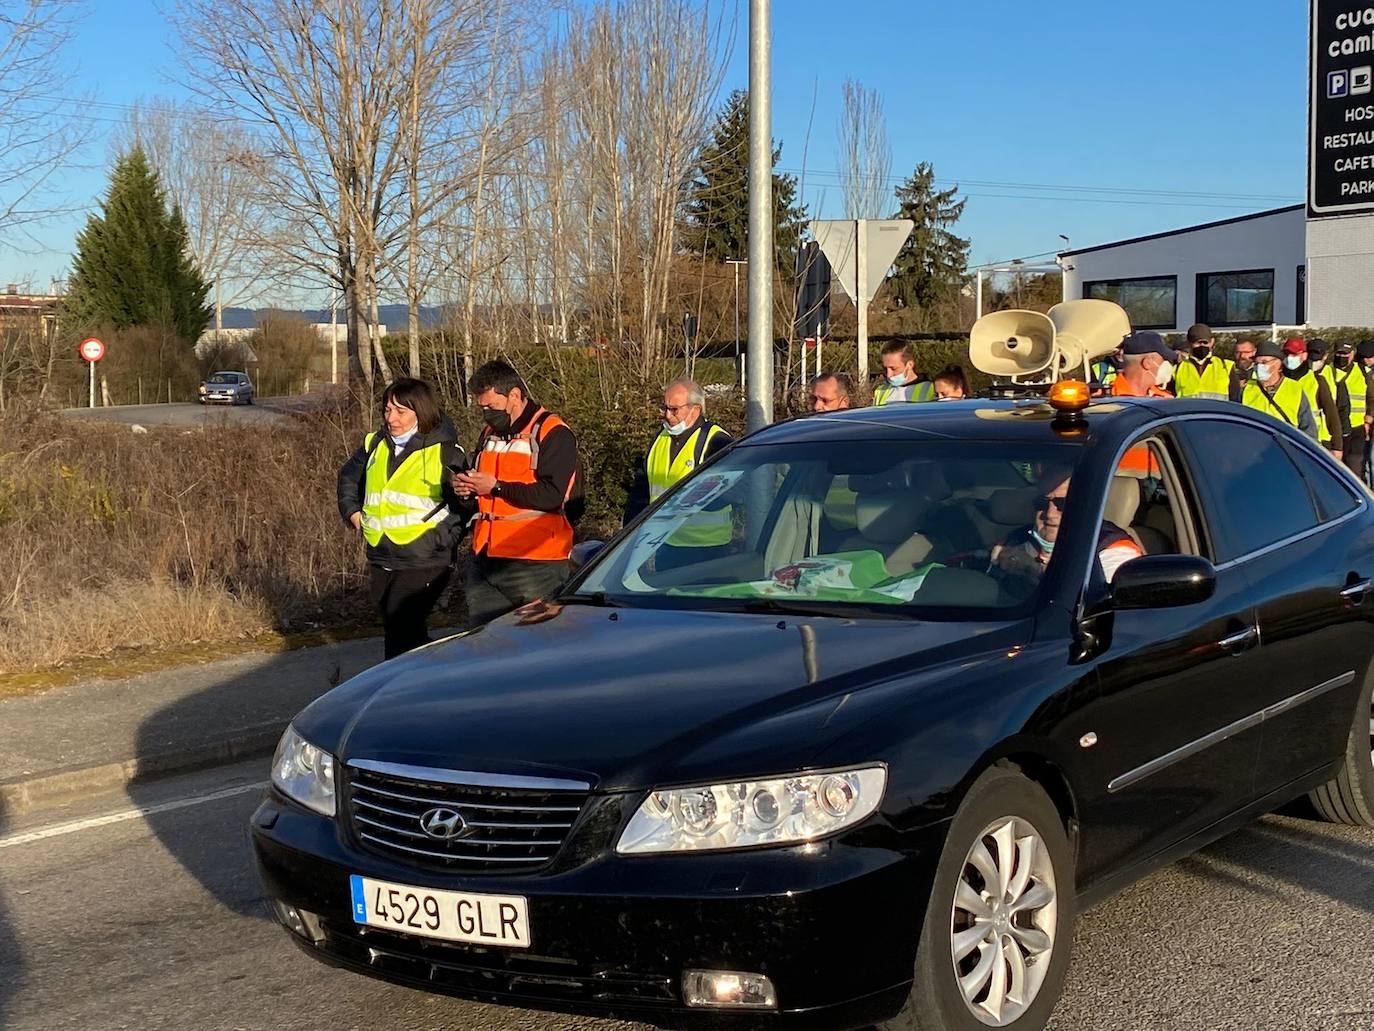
pixel 156 921
pixel 264 412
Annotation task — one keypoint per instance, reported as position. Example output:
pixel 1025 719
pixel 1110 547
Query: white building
pixel 1240 273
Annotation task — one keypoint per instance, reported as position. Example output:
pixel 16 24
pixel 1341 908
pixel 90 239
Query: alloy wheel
pixel 1005 914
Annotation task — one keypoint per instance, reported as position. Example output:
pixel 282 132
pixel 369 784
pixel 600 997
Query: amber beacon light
pixel 1070 395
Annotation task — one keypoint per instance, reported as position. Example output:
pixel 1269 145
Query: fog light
pixel 728 989
pixel 299 922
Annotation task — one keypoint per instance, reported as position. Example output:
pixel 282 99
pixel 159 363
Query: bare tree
pixel 644 78
pixel 865 156
pixel 36 136
pixel 325 83
pixel 199 158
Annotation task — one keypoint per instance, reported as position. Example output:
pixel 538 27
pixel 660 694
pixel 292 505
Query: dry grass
pixel 110 539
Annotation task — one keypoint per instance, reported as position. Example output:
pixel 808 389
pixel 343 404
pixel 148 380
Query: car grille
pixel 503 828
pixel 493 973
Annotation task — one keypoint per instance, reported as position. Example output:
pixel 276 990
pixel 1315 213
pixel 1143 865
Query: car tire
pixel 1001 799
pixel 1348 797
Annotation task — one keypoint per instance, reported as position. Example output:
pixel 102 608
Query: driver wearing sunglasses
pixel 1026 553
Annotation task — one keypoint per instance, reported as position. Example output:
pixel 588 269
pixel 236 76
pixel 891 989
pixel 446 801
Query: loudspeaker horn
pixel 1086 330
pixel 1012 343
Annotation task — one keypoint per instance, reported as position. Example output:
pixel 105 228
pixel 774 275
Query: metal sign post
pixel 91 351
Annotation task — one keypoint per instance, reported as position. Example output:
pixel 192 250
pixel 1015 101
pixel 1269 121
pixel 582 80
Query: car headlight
pixel 745 814
pixel 304 773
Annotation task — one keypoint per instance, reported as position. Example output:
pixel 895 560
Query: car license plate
pixel 457 916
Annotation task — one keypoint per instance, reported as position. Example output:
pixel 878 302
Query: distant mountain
pixel 394 316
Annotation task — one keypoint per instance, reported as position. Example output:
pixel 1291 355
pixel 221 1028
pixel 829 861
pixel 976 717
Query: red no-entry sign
pixel 92 349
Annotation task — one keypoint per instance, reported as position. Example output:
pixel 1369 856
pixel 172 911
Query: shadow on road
pixel 1315 857
pixel 259 701
pixel 11 953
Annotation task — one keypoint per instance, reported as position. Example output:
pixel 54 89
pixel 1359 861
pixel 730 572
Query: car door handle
pixel 1355 592
pixel 1240 640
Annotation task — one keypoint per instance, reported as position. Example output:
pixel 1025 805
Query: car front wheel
pixel 1348 798
pixel 994 947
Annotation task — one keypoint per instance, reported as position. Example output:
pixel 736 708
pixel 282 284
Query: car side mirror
pixel 583 553
pixel 1163 582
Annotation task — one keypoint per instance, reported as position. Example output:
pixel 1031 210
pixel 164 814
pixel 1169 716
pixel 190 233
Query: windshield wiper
pixel 597 599
pixel 804 607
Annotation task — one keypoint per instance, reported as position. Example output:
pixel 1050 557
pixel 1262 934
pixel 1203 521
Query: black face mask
pixel 1345 360
pixel 1201 351
pixel 497 419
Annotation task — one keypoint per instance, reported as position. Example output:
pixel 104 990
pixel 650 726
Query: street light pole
pixel 759 357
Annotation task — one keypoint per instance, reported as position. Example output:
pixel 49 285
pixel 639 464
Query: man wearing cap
pixel 1203 374
pixel 1364 381
pixel 1329 371
pixel 1330 431
pixel 1147 364
pixel 1242 369
pixel 1352 386
pixel 1275 394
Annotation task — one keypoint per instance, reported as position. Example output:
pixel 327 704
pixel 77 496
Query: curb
pixel 28 794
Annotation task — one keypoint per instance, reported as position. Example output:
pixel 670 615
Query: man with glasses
pixel 686 440
pixel 1243 370
pixel 831 392
pixel 1025 554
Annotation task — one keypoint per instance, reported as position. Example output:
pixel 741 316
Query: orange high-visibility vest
pixel 504 530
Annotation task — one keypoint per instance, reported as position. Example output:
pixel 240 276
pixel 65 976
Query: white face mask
pixel 1164 373
pixel 675 429
pixel 1262 373
pixel 897 381
pixel 1317 363
pixel 1293 361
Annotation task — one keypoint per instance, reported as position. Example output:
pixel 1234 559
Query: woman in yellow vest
pixel 1277 395
pixel 396 492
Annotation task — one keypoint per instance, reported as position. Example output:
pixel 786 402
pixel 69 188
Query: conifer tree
pixel 133 266
pixel 932 265
pixel 717 209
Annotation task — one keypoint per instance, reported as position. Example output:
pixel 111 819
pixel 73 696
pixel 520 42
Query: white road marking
pixel 71 827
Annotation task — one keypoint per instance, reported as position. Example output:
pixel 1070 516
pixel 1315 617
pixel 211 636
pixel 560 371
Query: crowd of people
pixel 412 492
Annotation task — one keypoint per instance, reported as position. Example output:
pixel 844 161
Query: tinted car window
pixel 1257 496
pixel 1334 499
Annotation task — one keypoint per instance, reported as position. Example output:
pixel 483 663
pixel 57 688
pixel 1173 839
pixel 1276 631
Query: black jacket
pixel 434 549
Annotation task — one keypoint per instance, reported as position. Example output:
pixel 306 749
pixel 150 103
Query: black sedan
pixel 962 670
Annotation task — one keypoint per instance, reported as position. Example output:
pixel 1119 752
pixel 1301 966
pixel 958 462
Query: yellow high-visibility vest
pixel 1284 405
pixel 407 504
pixel 1308 383
pixel 1355 385
pixel 705 529
pixel 1212 381
pixel 887 394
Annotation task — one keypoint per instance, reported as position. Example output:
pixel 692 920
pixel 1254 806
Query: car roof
pixel 1028 420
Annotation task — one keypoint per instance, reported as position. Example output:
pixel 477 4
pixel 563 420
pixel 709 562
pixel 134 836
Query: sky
pixel 1095 120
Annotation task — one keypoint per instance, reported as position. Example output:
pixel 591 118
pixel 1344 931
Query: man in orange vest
pixel 527 486
pixel 1148 365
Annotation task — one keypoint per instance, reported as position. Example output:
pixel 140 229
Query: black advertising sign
pixel 1340 170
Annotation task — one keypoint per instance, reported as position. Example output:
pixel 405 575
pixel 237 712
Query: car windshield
pixel 894 527
pixel 225 377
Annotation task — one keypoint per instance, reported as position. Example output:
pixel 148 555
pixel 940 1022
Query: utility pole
pixel 759 357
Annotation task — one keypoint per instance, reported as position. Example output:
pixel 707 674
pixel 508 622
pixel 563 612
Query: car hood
pixel 626 698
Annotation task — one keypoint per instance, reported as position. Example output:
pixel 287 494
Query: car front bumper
pixel 833 925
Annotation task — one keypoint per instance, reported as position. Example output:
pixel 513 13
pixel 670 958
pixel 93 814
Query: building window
pixel 1236 298
pixel 1151 303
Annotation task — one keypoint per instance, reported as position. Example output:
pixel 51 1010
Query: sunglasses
pixel 1045 501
